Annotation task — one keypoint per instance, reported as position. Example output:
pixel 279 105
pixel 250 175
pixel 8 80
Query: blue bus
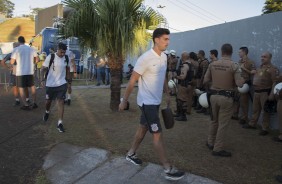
pixel 49 38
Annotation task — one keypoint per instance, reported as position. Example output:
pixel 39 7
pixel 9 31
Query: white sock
pixel 27 99
pixel 60 121
pixel 69 96
pixel 17 99
pixel 47 112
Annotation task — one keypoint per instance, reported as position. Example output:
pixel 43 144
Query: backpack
pixel 52 61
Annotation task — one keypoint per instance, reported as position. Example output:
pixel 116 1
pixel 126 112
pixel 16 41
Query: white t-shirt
pixel 71 56
pixel 57 72
pixel 152 69
pixel 24 56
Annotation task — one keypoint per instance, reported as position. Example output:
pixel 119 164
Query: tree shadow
pixel 14 34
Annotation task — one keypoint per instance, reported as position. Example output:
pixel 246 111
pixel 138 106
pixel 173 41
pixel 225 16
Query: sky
pixel 181 15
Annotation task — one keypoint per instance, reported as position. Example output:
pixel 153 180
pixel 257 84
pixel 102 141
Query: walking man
pixel 150 71
pixel 25 57
pixel 58 67
pixel 224 75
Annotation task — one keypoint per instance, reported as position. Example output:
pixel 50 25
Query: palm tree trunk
pixel 115 88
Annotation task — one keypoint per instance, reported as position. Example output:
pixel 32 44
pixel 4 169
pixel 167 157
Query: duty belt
pixel 229 94
pixel 263 90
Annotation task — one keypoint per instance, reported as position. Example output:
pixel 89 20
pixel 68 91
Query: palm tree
pixel 114 27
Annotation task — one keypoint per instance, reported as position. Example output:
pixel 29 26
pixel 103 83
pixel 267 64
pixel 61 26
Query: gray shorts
pixel 150 118
pixel 53 93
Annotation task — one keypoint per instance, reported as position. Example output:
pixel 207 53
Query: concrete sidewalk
pixel 72 164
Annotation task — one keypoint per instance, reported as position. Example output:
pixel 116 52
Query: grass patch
pixel 89 122
pixel 11 29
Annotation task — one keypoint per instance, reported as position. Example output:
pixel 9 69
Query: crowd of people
pixel 31 71
pixel 222 81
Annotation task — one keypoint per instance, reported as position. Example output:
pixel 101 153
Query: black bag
pixel 270 106
pixel 168 118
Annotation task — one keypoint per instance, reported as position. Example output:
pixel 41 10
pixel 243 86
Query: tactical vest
pixel 200 69
pixel 189 76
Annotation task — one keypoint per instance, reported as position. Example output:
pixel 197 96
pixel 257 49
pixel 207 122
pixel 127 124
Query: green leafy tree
pixel 7 7
pixel 272 6
pixel 115 28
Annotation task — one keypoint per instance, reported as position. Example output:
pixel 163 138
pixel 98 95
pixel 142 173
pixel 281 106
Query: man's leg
pixel 160 150
pixel 33 93
pixel 22 92
pixel 138 138
pixel 214 122
pixel 244 101
pixel 60 109
pixel 256 112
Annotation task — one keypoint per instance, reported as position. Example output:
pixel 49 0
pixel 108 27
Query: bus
pixel 49 38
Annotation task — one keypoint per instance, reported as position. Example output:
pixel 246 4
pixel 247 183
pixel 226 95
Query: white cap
pixel 172 52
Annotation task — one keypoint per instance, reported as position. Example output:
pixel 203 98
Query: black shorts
pixel 150 118
pixel 13 80
pixel 53 93
pixel 25 81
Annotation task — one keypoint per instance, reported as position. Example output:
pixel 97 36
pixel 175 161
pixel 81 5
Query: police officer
pixel 203 66
pixel 224 75
pixel 213 55
pixel 248 68
pixel 171 64
pixel 264 79
pixel 278 97
pixel 185 89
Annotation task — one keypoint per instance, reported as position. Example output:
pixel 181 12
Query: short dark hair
pixel 245 49
pixel 214 52
pixel 202 52
pixel 21 39
pixel 62 46
pixel 193 56
pixel 227 49
pixel 159 32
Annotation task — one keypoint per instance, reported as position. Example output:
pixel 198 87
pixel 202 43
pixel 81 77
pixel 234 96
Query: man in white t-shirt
pixel 25 57
pixel 56 83
pixel 71 56
pixel 150 72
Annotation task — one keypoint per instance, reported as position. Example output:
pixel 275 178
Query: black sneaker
pixel 173 174
pixel 34 106
pixel 25 108
pixel 221 153
pixel 263 133
pixel 247 126
pixel 60 127
pixel 17 103
pixel 133 159
pixel 69 102
pixel 209 146
pixel 46 116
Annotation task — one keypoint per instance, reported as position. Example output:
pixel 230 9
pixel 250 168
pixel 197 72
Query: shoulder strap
pixel 67 59
pixel 51 60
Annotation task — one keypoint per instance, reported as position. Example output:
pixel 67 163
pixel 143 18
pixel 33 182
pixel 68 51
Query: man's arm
pixel 208 76
pixel 184 71
pixel 134 77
